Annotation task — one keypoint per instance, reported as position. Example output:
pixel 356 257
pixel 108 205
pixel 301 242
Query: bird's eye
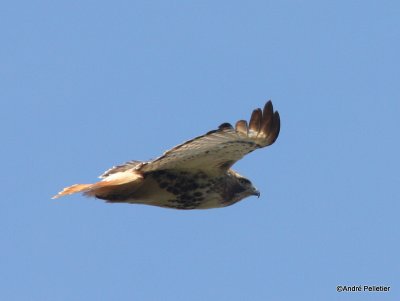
pixel 245 181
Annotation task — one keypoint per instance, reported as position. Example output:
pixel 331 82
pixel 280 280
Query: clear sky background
pixel 86 85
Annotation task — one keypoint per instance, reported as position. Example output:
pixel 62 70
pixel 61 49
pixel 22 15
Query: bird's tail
pixel 73 189
pixel 112 183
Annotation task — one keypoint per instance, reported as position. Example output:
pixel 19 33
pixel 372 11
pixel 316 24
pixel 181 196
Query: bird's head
pixel 243 187
pixel 249 189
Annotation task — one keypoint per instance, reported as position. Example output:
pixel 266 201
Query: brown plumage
pixel 192 175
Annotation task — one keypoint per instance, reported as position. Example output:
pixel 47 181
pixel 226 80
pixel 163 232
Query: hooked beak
pixel 257 193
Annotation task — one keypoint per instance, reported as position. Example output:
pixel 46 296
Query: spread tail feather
pixel 73 189
pixel 109 184
pixel 98 188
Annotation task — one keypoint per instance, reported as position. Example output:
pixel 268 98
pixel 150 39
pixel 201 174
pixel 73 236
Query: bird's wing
pixel 121 168
pixel 218 150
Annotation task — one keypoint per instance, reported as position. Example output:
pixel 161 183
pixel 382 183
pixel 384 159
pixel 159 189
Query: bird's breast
pixel 181 190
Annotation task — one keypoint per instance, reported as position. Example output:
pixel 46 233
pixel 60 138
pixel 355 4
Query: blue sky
pixel 86 85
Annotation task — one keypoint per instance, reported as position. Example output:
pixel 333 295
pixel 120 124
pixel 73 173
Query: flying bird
pixel 196 174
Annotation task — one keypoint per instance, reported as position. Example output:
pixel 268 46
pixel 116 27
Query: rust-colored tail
pixel 106 186
pixel 74 189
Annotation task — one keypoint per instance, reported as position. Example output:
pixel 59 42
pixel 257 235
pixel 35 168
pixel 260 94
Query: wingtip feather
pixel 255 121
pixel 264 125
pixel 276 127
pixel 242 127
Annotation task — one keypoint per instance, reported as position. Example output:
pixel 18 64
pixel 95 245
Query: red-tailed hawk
pixel 194 175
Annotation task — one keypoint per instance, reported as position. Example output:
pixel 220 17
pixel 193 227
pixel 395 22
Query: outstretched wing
pixel 218 150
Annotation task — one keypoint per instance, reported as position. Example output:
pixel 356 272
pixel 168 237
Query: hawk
pixel 196 174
